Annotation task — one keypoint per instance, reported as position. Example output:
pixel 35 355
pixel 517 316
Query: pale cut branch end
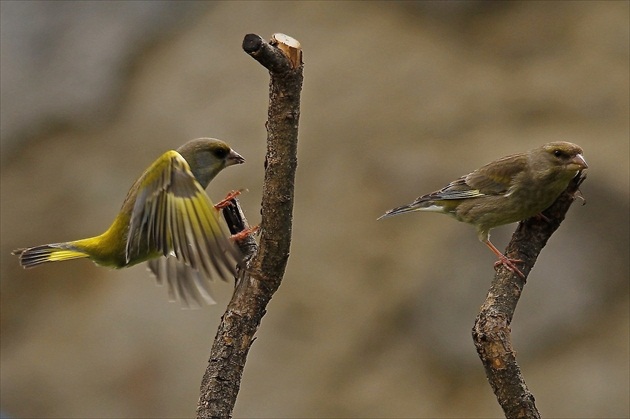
pixel 289 46
pixel 262 270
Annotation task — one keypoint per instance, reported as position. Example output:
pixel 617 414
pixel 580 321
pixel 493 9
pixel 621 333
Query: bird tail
pixel 418 205
pixel 55 252
pixel 396 211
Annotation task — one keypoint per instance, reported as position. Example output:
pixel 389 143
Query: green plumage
pixel 507 190
pixel 166 213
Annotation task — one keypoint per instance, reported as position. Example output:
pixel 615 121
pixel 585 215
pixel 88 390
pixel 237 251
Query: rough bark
pixel 265 263
pixel 491 332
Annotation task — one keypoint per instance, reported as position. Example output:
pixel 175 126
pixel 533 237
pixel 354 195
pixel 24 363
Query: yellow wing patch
pixel 173 215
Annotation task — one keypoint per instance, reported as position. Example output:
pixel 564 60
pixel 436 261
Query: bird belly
pixel 489 212
pixel 109 249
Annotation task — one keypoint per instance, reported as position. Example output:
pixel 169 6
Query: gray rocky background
pixel 373 319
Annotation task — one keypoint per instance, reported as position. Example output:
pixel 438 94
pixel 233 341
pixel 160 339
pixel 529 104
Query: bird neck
pixel 204 175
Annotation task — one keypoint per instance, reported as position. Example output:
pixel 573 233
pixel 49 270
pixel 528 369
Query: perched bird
pixel 505 191
pixel 166 213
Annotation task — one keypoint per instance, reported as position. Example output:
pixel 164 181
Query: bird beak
pixel 234 158
pixel 579 161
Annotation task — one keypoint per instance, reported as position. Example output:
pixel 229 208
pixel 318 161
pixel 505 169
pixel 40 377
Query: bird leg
pixel 504 260
pixel 226 201
pixel 242 234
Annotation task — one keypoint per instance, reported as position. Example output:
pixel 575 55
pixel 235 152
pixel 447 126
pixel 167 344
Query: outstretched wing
pixel 184 283
pixel 172 214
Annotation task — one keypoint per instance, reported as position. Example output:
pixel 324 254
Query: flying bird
pixel 167 220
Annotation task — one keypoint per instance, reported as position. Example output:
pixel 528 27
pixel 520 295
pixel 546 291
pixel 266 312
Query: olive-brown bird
pixel 166 213
pixel 505 191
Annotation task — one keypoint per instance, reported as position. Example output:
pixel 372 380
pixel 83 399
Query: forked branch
pixel 265 263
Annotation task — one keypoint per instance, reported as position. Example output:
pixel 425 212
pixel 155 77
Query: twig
pixel 264 264
pixel 491 332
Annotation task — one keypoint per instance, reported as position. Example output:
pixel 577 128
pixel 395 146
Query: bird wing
pixel 496 178
pixel 183 282
pixel 173 214
pixel 458 189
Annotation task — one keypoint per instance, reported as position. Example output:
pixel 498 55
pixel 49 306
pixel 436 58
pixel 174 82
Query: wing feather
pixel 174 217
pixel 496 178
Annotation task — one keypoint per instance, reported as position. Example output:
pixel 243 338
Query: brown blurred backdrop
pixel 373 318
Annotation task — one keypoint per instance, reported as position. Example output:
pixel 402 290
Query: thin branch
pixel 491 332
pixel 265 263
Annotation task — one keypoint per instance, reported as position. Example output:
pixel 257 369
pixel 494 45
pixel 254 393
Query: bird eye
pixel 558 153
pixel 221 152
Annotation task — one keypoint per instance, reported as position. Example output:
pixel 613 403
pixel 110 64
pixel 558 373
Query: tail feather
pixel 418 205
pixel 395 211
pixel 37 255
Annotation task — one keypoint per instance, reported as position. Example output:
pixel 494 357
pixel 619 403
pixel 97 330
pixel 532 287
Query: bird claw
pixel 243 234
pixel 510 265
pixel 578 195
pixel 504 260
pixel 226 202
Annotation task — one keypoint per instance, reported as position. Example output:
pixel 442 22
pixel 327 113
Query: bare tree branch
pixel 491 332
pixel 265 263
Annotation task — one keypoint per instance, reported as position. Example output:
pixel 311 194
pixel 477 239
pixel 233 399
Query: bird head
pixel 207 157
pixel 558 157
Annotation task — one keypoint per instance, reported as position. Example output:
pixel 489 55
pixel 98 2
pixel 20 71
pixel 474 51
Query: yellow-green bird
pixel 168 220
pixel 505 191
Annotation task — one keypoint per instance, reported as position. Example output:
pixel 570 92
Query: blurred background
pixel 373 319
